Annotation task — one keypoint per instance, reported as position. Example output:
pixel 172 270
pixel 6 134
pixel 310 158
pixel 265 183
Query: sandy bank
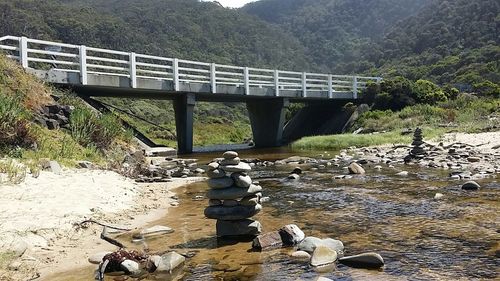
pixel 37 217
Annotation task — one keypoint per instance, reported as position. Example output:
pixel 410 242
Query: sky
pixel 234 3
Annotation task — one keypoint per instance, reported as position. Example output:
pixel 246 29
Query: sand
pixel 37 217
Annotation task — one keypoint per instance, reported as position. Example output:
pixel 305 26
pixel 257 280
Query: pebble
pixel 230 154
pixel 355 168
pixel 293 177
pixel 438 196
pixel 402 174
pixel 471 185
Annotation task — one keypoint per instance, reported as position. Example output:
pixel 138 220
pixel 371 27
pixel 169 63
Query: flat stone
pixel 302 255
pixel 233 192
pixel 241 167
pixel 291 235
pixel 323 255
pixel 169 262
pixel 232 213
pixel 214 202
pixel 131 267
pixel 234 161
pixel 220 183
pixel 216 174
pixel 267 241
pixel 355 168
pixel 240 180
pixel 156 230
pixel 334 244
pixel 471 185
pixel 230 203
pixel 97 257
pixel 230 154
pixel 250 200
pixel 474 159
pixel 366 260
pixel 310 243
pixel 246 227
pixel 212 166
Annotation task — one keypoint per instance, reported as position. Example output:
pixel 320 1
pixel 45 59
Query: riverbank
pixel 37 232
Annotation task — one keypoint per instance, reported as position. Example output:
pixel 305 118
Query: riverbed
pixel 420 238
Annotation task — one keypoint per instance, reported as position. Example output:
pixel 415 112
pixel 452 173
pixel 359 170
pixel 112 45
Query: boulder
pixel 366 260
pixel 232 213
pixel 169 262
pixel 291 235
pixel 131 267
pixel 220 183
pixel 267 241
pixel 245 227
pixel 233 192
pixel 241 180
pixel 216 174
pixel 323 255
pixel 355 168
pixel 230 155
pixel 241 167
pixel 471 185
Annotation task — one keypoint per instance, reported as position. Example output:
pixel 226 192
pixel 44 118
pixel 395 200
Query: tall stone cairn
pixel 418 150
pixel 233 197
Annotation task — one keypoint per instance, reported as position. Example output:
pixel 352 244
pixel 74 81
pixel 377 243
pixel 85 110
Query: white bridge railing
pixel 46 55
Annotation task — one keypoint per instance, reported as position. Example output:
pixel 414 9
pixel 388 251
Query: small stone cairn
pixel 233 197
pixel 418 151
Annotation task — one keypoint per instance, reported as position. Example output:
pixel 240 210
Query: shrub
pixel 428 92
pixel 14 127
pixel 487 88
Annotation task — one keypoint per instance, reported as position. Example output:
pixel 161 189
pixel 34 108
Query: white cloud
pixel 233 3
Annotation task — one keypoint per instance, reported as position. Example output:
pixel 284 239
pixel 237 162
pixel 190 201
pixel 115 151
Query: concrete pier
pixel 267 118
pixel 184 110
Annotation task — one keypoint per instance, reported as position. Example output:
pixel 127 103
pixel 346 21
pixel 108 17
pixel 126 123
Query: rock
pixel 302 255
pixel 366 260
pixel 474 159
pixel 52 124
pixel 291 235
pixel 198 171
pixel 230 154
pixel 267 241
pixel 216 174
pixel 240 180
pixel 438 196
pixel 233 192
pixel 323 255
pixel 241 167
pixel 156 230
pixel 334 244
pixel 220 183
pixel 250 200
pixel 230 203
pixel 97 257
pixel 234 161
pixel 85 164
pixel 214 202
pixel 309 244
pixel 321 278
pixel 17 247
pixel 245 227
pixel 55 167
pixel 212 166
pixel 471 185
pixel 297 170
pixel 232 213
pixel 293 177
pixel 355 168
pixel 130 267
pixel 169 262
pixel 378 167
pixel 15 265
pixel 402 174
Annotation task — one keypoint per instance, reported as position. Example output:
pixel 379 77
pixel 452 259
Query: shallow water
pixel 456 238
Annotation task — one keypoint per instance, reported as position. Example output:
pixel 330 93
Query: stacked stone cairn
pixel 418 151
pixel 233 197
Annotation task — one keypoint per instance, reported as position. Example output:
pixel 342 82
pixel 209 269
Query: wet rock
pixel 240 168
pixel 293 177
pixel 323 255
pixel 130 267
pixel 241 180
pixel 355 168
pixel 220 183
pixel 97 257
pixel 366 260
pixel 291 235
pixel 310 243
pixel 169 262
pixel 471 185
pixel 334 244
pixel 245 227
pixel 233 192
pixel 302 255
pixel 156 230
pixel 267 241
pixel 230 154
pixel 216 174
pixel 297 170
pixel 232 213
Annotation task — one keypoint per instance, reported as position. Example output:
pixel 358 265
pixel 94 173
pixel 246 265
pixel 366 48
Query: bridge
pixel 94 72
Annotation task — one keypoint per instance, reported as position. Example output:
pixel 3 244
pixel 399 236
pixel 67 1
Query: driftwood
pixel 105 237
pixel 102 224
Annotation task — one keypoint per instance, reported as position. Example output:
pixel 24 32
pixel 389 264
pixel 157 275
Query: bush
pixel 487 88
pixel 428 92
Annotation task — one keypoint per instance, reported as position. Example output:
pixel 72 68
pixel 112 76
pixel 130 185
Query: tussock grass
pixel 11 171
pixel 334 142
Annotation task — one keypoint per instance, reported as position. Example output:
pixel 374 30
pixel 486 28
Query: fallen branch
pixel 110 240
pixel 102 224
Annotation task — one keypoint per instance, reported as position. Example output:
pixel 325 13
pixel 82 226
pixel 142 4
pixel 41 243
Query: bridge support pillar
pixel 268 119
pixel 184 109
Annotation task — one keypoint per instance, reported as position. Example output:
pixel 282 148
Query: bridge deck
pixel 116 73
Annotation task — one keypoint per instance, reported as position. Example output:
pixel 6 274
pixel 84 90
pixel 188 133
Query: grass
pixel 14 171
